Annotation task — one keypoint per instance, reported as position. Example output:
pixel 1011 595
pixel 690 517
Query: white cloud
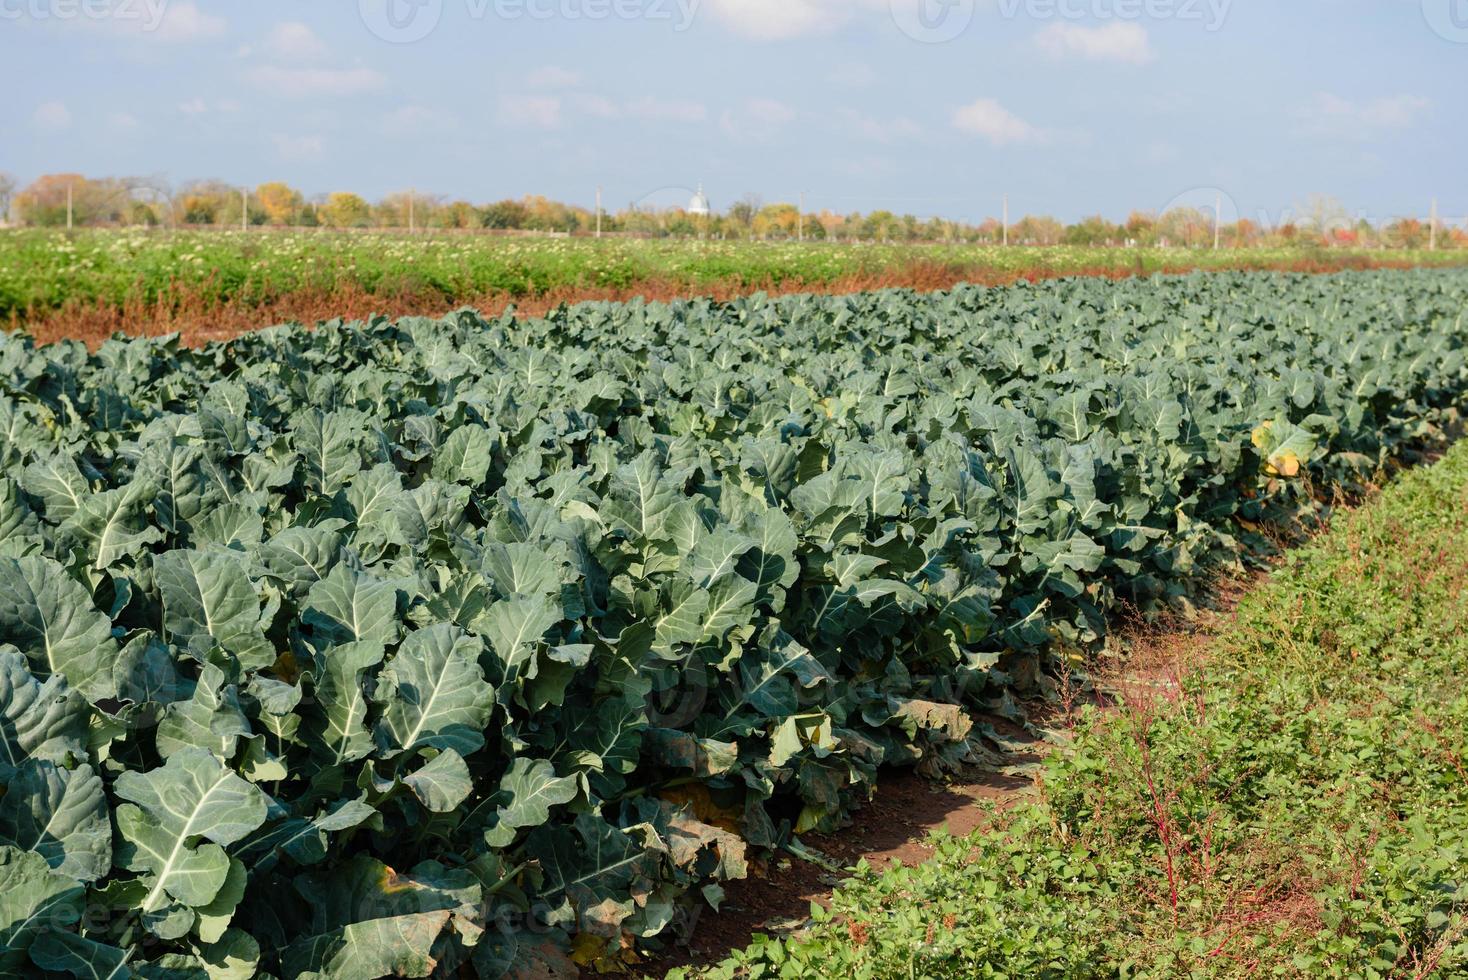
pixel 538 111
pixel 298 148
pixel 122 122
pixel 989 119
pixel 1332 116
pixel 852 74
pixel 197 106
pixel 771 112
pixel 877 130
pixel 293 41
pixel 781 20
pixel 756 120
pixel 52 115
pixel 667 110
pixel 552 76
pixel 305 83
pixel 866 167
pixel 1167 103
pixel 1121 41
pixel 1162 153
pixel 548 112
pixel 183 22
pixel 413 120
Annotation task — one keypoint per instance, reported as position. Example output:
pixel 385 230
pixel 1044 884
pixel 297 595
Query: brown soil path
pixel 908 809
pixel 894 827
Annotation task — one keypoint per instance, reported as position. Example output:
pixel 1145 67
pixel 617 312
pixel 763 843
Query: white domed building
pixel 699 206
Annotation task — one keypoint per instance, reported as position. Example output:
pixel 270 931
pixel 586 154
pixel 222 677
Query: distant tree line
pixel 54 199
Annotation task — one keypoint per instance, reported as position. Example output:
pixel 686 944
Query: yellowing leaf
pixel 810 818
pixel 587 948
pixel 696 797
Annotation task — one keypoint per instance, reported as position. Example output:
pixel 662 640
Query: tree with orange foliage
pixel 990 231
pixel 280 202
pixel 44 202
pixel 1037 229
pixel 205 202
pixel 1141 227
pixel 454 214
pixel 1189 227
pixel 777 221
pixel 1242 233
pixel 543 214
pixel 1324 216
pixel 1406 233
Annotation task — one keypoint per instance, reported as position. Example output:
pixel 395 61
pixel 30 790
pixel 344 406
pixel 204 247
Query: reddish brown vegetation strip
pixel 201 319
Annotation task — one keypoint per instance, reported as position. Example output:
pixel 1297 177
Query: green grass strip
pixel 1296 806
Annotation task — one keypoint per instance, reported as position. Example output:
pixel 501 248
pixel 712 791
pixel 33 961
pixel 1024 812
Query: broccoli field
pixel 432 647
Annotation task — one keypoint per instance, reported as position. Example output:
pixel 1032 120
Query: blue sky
pixel 1070 107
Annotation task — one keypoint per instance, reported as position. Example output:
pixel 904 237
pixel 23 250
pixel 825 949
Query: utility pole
pixel 1217 221
pixel 1432 228
pixel 598 210
pixel 1006 219
pixel 244 209
pixel 801 218
pixel 69 185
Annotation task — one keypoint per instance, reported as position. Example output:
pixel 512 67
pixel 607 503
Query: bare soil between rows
pixel 896 826
pixel 908 809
